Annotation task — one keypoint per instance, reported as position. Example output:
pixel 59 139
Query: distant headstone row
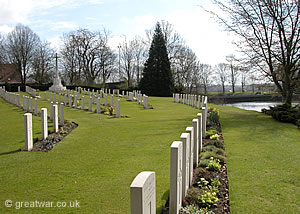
pixel 196 101
pixel 74 99
pixel 190 99
pixel 184 158
pixel 30 91
pixel 141 99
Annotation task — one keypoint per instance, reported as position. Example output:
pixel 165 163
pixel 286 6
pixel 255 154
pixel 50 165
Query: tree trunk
pixel 223 86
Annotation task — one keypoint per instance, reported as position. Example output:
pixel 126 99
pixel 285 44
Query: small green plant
pixel 208 199
pixel 214 137
pixel 192 209
pixel 63 132
pixel 214 164
pixel 110 110
pixel 202 183
pixel 210 132
pixel 204 163
pixel 213 117
pixel 209 148
pixel 215 184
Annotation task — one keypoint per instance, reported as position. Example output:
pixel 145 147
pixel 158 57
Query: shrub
pixel 211 131
pixel 285 113
pixel 217 143
pixel 220 152
pixel 209 155
pixel 192 209
pixel 213 116
pixel 214 164
pixel 204 163
pixel 208 199
pixel 214 137
pixel 209 148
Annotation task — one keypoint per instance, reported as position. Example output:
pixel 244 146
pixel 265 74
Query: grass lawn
pixel 96 163
pixel 263 158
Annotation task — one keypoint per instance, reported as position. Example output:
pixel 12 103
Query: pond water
pixel 255 106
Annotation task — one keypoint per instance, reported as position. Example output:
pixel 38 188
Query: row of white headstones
pixel 29 102
pixel 184 157
pixel 29 90
pixel 28 106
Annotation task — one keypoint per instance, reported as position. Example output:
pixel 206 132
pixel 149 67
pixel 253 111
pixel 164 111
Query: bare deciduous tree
pixel 127 60
pixel 185 67
pixel 233 76
pixel 87 55
pixel 206 72
pixel 42 63
pixel 222 74
pixel 139 53
pixel 20 46
pixel 269 32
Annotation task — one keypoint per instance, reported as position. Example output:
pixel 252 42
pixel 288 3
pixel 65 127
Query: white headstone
pixel 44 123
pixel 142 194
pixel 28 131
pixel 75 101
pixel 105 99
pixel 204 121
pixel 98 105
pixel 200 136
pixel 35 106
pixel 55 118
pixel 196 142
pixel 145 101
pixel 82 102
pixel 65 100
pixel 185 138
pixel 190 130
pixel 30 104
pixel 175 178
pixel 90 104
pixel 112 100
pixel 51 111
pixel 118 108
pixel 61 115
pixel 70 100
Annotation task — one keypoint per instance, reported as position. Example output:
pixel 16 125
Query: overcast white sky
pixel 51 18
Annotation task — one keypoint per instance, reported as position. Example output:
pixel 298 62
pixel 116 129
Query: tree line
pixel 269 38
pixel 86 58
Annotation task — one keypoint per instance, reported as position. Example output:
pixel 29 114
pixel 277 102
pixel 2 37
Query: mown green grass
pixel 97 162
pixel 263 162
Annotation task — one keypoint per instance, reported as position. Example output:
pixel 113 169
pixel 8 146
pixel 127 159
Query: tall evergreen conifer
pixel 157 79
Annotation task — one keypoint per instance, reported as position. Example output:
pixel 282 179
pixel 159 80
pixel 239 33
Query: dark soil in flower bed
pixel 53 139
pixel 215 149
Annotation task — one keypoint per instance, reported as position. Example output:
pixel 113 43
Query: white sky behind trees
pixel 51 18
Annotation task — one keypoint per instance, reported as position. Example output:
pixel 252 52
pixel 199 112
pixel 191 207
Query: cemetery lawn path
pixel 96 163
pixel 263 162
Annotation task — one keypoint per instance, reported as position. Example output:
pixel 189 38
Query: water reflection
pixel 255 106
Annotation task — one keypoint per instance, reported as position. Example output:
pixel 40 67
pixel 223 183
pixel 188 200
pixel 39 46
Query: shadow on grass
pixel 10 152
pixel 165 197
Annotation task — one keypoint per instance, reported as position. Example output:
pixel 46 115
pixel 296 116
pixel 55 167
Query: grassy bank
pixel 263 162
